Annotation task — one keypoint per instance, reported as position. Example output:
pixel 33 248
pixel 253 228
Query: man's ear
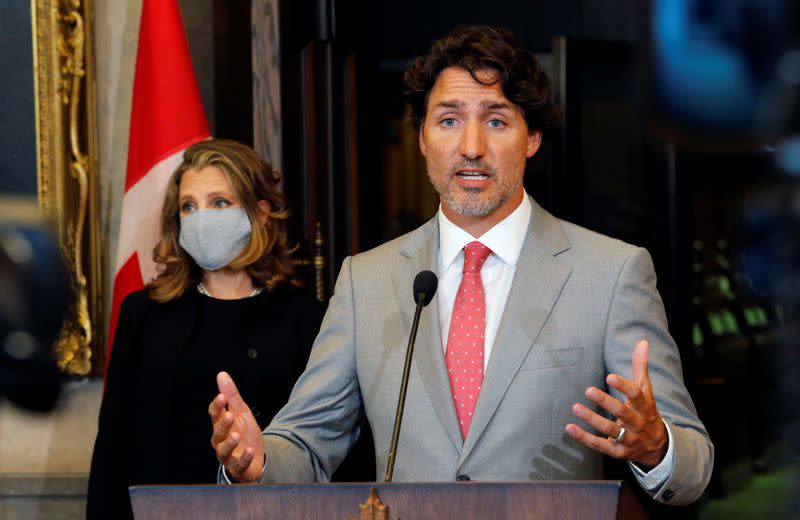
pixel 263 213
pixel 534 142
pixel 422 146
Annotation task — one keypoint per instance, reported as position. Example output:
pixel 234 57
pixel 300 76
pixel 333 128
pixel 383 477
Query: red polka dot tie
pixel 464 357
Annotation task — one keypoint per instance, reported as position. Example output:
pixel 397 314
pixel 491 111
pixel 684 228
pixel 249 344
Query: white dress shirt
pixel 505 240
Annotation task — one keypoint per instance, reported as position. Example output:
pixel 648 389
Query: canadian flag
pixel 166 117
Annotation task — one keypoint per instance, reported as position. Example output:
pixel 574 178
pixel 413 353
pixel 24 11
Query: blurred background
pixel 681 134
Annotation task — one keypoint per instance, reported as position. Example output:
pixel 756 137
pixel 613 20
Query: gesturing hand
pixel 645 438
pixel 236 437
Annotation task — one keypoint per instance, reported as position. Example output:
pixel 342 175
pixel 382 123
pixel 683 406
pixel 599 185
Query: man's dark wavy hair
pixel 478 48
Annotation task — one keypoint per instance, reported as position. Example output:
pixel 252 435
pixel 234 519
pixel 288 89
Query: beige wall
pixel 58 442
pixel 44 459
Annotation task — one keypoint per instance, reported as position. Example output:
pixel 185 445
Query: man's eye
pixel 496 123
pixel 221 204
pixel 448 122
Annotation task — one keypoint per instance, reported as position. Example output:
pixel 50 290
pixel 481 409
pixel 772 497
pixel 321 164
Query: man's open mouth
pixel 472 174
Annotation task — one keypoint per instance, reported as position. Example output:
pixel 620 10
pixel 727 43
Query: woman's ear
pixel 263 213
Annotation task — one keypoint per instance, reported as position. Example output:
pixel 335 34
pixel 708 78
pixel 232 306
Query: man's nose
pixel 473 141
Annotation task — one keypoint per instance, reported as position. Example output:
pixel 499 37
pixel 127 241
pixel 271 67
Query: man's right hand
pixel 236 437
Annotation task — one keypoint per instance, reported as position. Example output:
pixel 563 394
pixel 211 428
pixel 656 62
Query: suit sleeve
pixel 108 479
pixel 310 436
pixel 637 313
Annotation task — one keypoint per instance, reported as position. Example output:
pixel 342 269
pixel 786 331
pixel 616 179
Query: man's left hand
pixel 645 439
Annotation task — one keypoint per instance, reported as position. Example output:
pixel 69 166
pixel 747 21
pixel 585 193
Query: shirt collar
pixel 505 239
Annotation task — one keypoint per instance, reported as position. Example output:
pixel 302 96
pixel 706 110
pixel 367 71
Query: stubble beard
pixel 472 202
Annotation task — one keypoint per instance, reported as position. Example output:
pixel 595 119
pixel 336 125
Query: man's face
pixel 475 142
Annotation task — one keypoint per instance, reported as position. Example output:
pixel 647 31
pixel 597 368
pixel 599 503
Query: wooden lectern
pixel 551 500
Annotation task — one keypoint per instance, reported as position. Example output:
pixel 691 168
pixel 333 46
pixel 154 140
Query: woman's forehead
pixel 205 179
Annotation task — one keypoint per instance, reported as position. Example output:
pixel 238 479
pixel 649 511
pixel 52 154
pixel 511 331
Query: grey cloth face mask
pixel 214 237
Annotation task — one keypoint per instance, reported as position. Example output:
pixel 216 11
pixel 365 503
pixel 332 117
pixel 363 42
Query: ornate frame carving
pixel 66 149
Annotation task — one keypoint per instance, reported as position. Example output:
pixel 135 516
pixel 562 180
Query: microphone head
pixel 425 284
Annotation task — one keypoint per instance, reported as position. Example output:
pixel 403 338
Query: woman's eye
pixel 188 207
pixel 221 204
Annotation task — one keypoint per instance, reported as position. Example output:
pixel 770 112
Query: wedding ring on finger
pixel 620 436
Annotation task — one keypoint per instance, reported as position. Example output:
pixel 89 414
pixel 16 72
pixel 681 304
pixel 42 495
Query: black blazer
pixel 135 415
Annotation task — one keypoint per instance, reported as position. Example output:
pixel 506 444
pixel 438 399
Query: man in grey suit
pixel 561 322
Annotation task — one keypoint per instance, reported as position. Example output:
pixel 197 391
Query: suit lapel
pixel 537 284
pixel 421 252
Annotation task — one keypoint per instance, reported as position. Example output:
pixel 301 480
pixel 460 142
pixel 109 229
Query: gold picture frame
pixel 66 156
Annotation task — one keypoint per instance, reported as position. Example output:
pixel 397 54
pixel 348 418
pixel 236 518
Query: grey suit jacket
pixel 578 304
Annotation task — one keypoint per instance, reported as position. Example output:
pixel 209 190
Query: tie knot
pixel 475 254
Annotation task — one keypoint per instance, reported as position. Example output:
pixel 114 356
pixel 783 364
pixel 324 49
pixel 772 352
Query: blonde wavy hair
pixel 267 257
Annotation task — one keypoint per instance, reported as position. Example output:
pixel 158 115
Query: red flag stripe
pixel 167 113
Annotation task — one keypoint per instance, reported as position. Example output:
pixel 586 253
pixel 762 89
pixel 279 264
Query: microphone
pixel 424 288
pixel 425 284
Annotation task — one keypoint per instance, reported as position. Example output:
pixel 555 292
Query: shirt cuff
pixel 222 475
pixel 654 478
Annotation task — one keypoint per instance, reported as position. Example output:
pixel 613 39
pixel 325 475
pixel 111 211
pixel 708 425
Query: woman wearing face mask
pixel 225 299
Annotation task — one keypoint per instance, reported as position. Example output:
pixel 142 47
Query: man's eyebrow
pixel 495 105
pixel 486 105
pixel 449 104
